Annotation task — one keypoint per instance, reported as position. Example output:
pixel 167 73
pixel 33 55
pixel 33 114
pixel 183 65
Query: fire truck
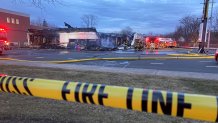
pixel 152 42
pixel 167 43
pixel 4 44
pixel 157 42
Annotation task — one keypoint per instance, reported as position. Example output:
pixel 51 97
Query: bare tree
pixel 39 3
pixel 37 22
pixel 89 21
pixel 215 22
pixel 42 23
pixel 214 28
pixel 189 28
pixel 178 33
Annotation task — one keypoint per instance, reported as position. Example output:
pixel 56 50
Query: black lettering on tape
pixel 1 83
pixel 102 95
pixel 65 91
pixel 78 86
pixel 165 106
pixel 15 85
pixel 182 105
pixel 145 100
pixel 26 87
pixel 7 84
pixel 217 109
pixel 89 95
pixel 129 98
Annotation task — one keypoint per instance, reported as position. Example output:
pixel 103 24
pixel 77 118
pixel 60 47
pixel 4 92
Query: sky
pixel 143 16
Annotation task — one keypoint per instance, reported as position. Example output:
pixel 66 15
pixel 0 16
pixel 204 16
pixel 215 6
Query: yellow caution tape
pixel 199 107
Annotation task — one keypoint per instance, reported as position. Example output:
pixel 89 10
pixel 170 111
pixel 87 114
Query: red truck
pixel 216 56
pixel 4 44
pixel 158 42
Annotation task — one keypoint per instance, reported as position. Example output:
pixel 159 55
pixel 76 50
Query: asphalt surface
pixel 116 70
pixel 183 65
pixel 60 54
pixel 199 65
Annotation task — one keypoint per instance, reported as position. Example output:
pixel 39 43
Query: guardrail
pixel 198 107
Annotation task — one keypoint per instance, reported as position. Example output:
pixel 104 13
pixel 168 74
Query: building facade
pixel 71 37
pixel 16 25
pixel 64 37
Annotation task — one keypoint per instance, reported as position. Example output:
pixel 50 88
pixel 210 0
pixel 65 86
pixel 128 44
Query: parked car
pixel 216 56
pixel 51 46
pixel 122 47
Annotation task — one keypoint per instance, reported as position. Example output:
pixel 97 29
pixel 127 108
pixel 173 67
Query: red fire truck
pixel 152 42
pixel 157 42
pixel 4 44
pixel 167 43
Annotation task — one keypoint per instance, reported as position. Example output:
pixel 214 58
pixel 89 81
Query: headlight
pixel 6 43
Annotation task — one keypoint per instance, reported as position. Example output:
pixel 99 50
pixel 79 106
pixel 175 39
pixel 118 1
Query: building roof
pixel 13 12
pixel 59 30
pixel 76 30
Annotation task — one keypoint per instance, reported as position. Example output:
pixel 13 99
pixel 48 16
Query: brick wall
pixel 16 24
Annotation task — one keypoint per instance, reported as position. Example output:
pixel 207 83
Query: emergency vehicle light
pixel 2 30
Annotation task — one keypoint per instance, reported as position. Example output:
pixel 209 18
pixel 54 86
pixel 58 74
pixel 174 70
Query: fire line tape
pixel 198 107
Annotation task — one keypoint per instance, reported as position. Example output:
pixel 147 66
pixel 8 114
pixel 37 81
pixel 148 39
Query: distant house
pixel 16 25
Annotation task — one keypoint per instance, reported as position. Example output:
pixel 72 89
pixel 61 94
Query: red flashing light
pixel 147 39
pixel 2 75
pixel 6 42
pixel 2 30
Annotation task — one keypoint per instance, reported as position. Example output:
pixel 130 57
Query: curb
pixel 129 58
pixel 190 55
pixel 6 59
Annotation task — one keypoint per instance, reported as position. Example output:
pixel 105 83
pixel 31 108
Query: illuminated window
pixel 17 21
pixel 12 20
pixel 8 20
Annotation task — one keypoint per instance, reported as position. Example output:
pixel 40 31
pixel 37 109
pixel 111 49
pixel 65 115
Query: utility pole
pixel 211 24
pixel 204 22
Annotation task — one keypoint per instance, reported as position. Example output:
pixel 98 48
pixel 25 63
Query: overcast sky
pixel 144 16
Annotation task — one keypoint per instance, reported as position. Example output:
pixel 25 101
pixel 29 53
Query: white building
pixel 66 37
pixel 70 37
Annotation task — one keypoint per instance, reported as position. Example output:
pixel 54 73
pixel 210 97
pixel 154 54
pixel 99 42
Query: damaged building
pixel 64 37
pixel 73 38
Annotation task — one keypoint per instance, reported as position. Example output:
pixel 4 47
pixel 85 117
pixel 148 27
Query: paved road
pixel 199 65
pixel 189 65
pixel 48 55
